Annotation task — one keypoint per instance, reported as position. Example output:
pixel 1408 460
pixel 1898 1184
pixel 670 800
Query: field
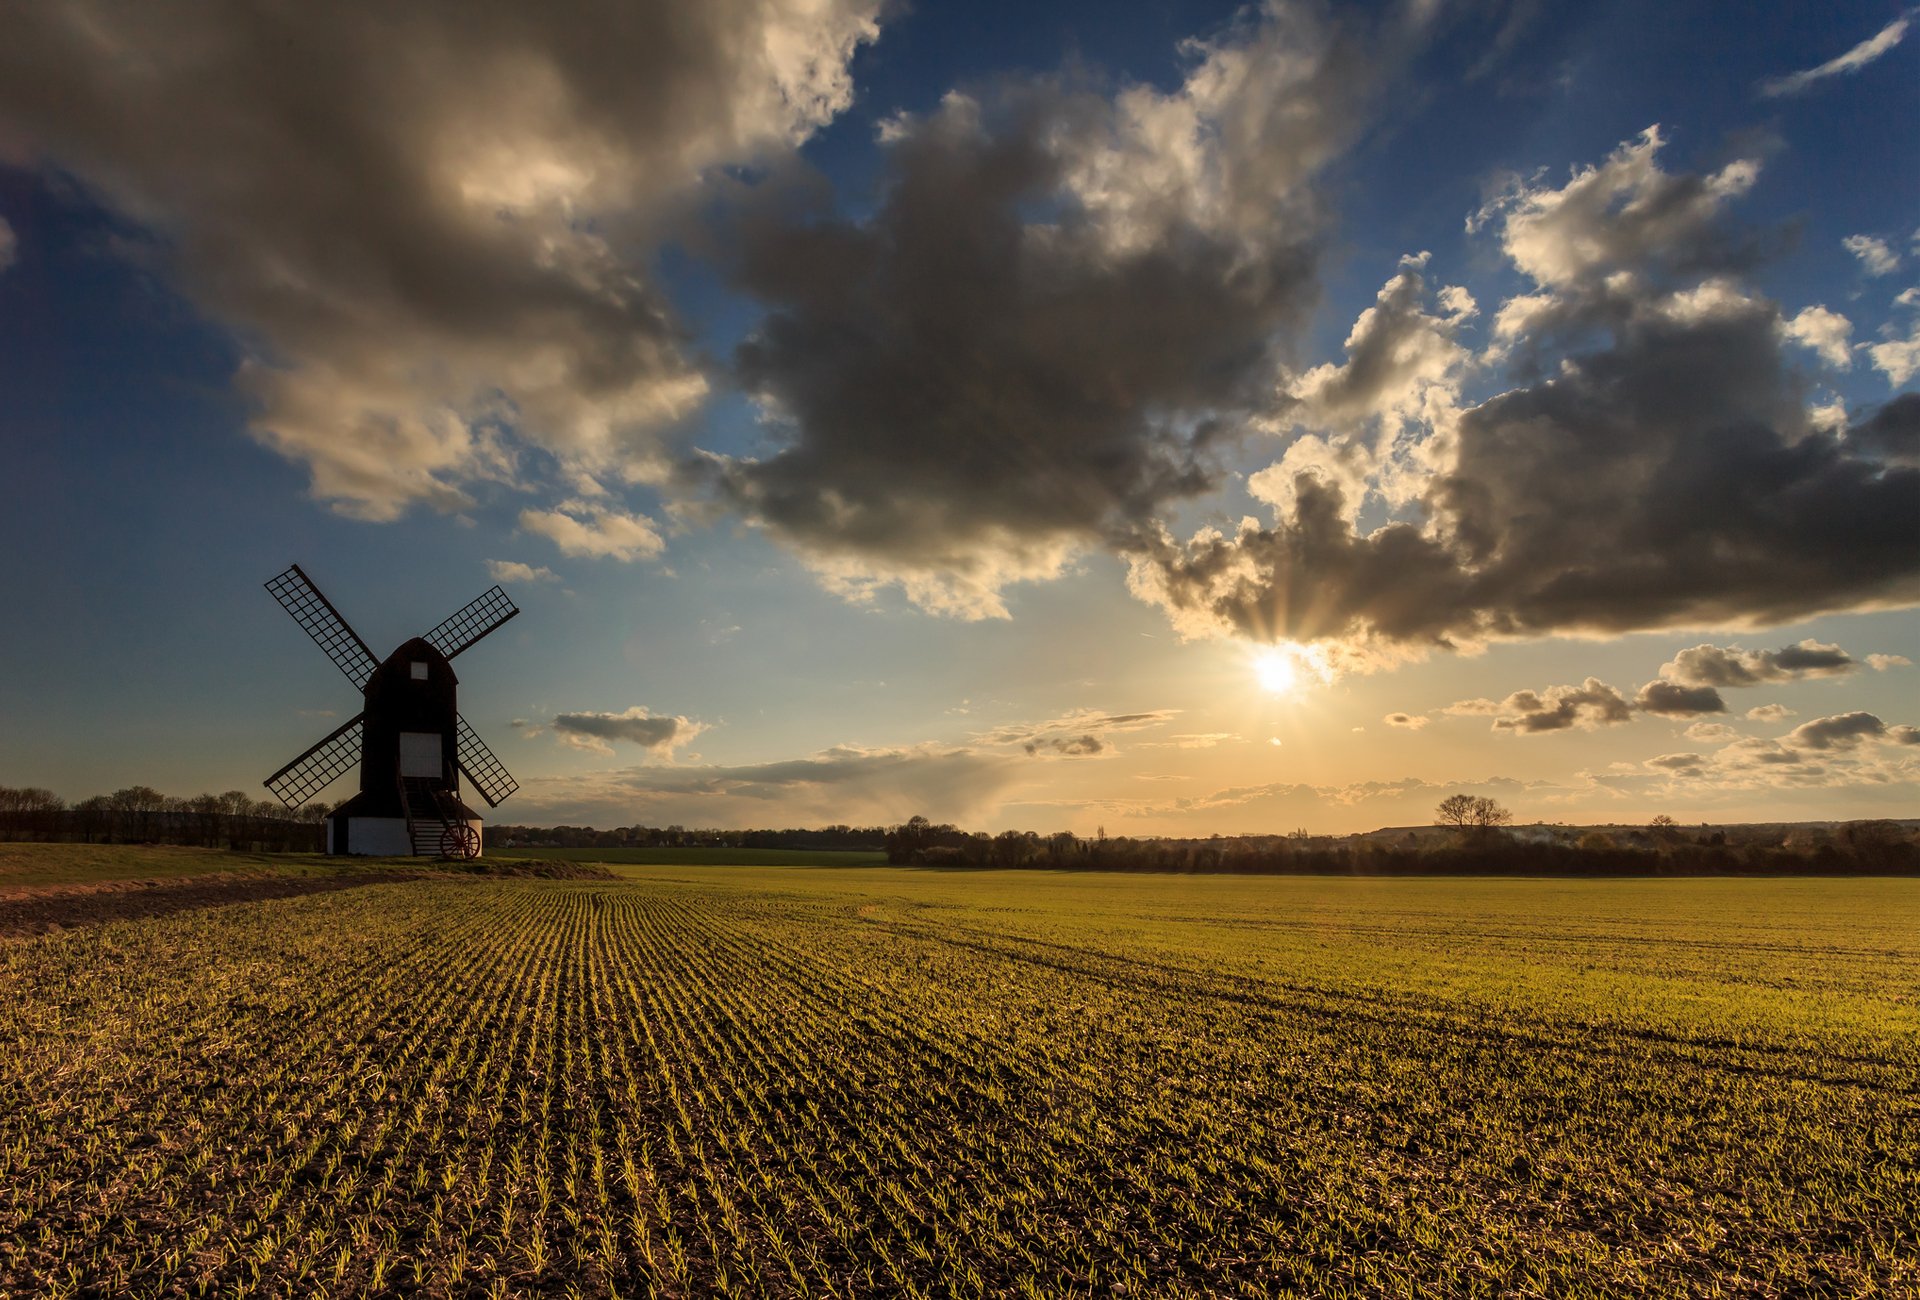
pixel 768 1081
pixel 705 857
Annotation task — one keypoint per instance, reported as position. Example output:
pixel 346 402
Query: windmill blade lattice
pixel 320 620
pixel 488 774
pixel 318 768
pixel 475 619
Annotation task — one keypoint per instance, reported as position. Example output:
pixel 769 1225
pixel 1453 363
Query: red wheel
pixel 459 841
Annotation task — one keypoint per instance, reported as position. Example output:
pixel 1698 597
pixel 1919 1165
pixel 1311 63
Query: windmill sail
pixel 488 774
pixel 472 621
pixel 320 620
pixel 320 766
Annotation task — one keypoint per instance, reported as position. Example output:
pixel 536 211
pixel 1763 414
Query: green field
pixel 64 864
pixel 704 857
pixel 847 1082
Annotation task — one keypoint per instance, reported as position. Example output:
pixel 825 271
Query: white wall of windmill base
pixel 380 837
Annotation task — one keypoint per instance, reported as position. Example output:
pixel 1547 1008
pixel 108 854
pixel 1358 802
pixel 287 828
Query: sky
pixel 1167 418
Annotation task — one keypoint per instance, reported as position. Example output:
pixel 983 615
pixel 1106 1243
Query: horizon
pixel 1188 420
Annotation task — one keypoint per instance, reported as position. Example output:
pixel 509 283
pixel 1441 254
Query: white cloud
pixel 583 528
pixel 514 571
pixel 1826 332
pixel 1852 61
pixel 1769 712
pixel 1875 257
pixel 1881 663
pixel 1898 358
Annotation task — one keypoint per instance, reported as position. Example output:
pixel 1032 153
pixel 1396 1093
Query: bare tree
pixel 1465 812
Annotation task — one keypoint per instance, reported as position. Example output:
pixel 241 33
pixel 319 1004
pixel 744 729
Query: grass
pixel 838 1082
pixel 73 864
pixel 704 857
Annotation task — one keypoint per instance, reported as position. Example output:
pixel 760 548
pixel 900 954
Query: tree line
pixel 140 814
pixel 834 838
pixel 1466 841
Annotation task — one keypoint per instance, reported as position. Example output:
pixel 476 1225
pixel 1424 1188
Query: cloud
pixel 1660 471
pixel 1826 332
pixel 1769 712
pixel 1895 357
pixel 1711 665
pixel 1672 700
pixel 662 734
pixel 582 528
pixel 1189 740
pixel 1852 61
pixel 430 226
pixel 1398 354
pixel 1840 730
pixel 9 244
pixel 1588 706
pixel 1712 732
pixel 1683 764
pixel 1081 733
pixel 1881 663
pixel 1891 432
pixel 1088 746
pixel 1876 259
pixel 846 784
pixel 514 571
pixel 1062 305
pixel 1409 721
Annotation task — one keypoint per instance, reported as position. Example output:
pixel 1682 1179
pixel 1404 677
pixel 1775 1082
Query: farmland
pixel 832 1082
pixel 706 857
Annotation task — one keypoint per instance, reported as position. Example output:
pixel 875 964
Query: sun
pixel 1275 670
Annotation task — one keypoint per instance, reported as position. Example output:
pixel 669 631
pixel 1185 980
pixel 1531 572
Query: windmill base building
pixel 410 742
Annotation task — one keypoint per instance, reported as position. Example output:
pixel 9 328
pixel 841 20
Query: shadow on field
pixel 37 909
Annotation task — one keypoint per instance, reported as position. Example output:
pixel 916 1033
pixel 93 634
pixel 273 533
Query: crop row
pixel 661 1088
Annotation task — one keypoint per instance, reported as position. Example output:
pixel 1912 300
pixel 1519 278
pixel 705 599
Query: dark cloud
pixel 422 220
pixel 1062 302
pixel 1663 472
pixel 845 784
pixel 1672 700
pixel 635 726
pixel 1587 706
pixel 1083 733
pixel 1891 432
pixel 1842 730
pixel 1711 665
pixel 1407 721
pixel 1067 746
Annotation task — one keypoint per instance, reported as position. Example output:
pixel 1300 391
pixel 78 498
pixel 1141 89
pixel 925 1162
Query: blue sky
pixel 241 325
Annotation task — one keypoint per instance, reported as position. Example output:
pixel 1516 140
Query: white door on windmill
pixel 420 754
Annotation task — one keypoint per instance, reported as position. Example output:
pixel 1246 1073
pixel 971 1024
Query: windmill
pixel 410 741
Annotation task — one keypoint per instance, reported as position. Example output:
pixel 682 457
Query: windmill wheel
pixel 459 841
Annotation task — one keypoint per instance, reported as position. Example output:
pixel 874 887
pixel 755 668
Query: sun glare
pixel 1275 670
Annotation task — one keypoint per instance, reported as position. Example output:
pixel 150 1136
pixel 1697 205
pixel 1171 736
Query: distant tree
pixel 1877 834
pixel 1465 812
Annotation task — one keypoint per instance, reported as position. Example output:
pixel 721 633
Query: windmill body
pixel 409 740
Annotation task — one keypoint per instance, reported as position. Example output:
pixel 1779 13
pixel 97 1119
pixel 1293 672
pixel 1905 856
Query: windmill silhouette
pixel 410 741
